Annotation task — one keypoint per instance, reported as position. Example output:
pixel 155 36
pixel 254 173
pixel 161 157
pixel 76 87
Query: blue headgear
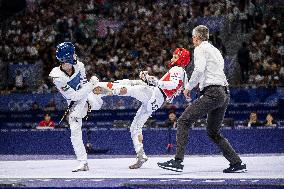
pixel 65 52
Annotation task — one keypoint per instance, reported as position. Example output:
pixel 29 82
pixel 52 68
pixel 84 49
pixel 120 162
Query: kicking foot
pixel 119 91
pixel 98 90
pixel 169 147
pixel 123 91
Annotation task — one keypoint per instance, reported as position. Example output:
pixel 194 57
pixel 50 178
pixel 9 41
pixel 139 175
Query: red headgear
pixel 183 57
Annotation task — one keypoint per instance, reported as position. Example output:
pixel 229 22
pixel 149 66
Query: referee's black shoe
pixel 236 168
pixel 172 165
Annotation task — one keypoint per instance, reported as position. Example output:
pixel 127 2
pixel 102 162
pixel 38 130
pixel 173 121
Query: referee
pixel 208 73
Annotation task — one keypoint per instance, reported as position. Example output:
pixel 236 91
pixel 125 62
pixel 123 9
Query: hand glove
pixel 152 81
pixel 186 94
pixel 94 80
pixel 143 75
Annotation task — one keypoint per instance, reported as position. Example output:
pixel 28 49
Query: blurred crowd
pixel 267 53
pixel 30 37
pixel 143 38
pixel 262 59
pixel 148 33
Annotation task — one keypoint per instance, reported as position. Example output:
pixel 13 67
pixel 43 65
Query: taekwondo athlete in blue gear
pixel 70 80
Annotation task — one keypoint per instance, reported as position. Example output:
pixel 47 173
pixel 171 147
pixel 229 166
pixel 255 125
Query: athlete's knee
pixel 75 126
pixel 75 133
pixel 140 138
pixel 95 102
pixel 132 129
pixel 215 137
pixel 135 132
pixel 128 91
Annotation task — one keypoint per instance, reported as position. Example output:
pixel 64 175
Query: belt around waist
pixel 226 89
pixel 165 97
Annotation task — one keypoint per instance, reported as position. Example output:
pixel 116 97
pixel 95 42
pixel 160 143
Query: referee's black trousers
pixel 213 102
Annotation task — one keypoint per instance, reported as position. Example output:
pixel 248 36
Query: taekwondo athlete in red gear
pixel 153 96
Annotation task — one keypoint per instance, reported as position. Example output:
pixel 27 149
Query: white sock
pixel 137 144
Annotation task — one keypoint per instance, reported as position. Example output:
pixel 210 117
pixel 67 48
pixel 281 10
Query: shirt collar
pixel 203 42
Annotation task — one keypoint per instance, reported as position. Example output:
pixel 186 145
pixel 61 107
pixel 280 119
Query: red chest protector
pixel 170 93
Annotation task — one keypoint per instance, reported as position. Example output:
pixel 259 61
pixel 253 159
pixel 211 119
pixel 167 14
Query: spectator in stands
pixel 171 121
pixel 170 124
pixel 244 20
pixel 251 14
pixel 32 35
pixel 265 53
pixel 168 105
pixel 253 121
pixel 281 74
pixel 46 123
pixel 231 20
pixel 5 91
pixel 120 105
pixel 19 81
pixel 43 87
pixel 269 121
pixel 258 14
pixel 244 59
pixel 217 42
pixel 35 107
pixel 50 107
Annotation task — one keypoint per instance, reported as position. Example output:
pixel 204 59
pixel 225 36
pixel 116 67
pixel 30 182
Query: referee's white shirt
pixel 208 67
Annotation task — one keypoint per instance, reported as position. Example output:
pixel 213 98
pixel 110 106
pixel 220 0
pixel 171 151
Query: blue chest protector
pixel 75 82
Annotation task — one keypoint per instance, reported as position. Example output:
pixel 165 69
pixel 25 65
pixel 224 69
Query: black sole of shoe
pixel 175 170
pixel 79 171
pixel 240 171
